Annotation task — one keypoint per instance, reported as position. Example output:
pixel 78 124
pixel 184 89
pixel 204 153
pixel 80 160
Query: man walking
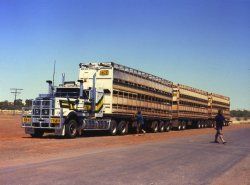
pixel 219 118
pixel 140 123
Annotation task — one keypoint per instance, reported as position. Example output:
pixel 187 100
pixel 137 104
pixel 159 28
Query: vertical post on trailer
pixel 93 94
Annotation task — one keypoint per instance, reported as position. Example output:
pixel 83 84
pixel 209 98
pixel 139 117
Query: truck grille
pixel 42 108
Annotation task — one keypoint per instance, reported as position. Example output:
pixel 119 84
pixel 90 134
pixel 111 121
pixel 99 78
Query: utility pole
pixel 16 92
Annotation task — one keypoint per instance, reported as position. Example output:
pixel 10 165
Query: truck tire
pixel 179 127
pixel 37 133
pixel 198 125
pixel 202 125
pixel 154 127
pixel 167 127
pixel 212 125
pixel 71 128
pixel 113 128
pixel 162 127
pixel 123 128
pixel 183 126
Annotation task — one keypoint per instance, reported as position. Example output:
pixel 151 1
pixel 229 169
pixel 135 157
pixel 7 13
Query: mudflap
pixel 60 132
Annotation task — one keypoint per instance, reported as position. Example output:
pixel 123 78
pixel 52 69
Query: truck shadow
pixel 88 134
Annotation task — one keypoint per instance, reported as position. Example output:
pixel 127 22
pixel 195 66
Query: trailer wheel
pixel 167 127
pixel 179 127
pixel 162 127
pixel 154 127
pixel 203 125
pixel 113 128
pixel 37 133
pixel 123 128
pixel 71 128
pixel 212 125
pixel 183 125
pixel 198 125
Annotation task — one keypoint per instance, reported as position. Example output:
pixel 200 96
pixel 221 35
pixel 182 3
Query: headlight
pixel 45 112
pixel 36 111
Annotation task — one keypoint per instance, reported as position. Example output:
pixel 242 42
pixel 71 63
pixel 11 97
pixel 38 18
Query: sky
pixel 200 43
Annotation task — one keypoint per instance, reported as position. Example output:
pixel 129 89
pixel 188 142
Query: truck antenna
pixel 54 71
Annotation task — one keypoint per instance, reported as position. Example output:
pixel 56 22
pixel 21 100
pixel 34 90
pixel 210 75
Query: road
pixel 187 160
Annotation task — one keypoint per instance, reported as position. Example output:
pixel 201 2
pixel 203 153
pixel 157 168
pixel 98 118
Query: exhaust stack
pixel 50 90
pixel 81 87
pixel 63 78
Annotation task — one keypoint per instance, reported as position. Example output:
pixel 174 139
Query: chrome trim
pixel 41 120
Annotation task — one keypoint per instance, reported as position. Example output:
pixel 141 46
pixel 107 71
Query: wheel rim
pixel 162 128
pixel 179 127
pixel 123 128
pixel 114 129
pixel 199 126
pixel 155 128
pixel 72 129
pixel 168 128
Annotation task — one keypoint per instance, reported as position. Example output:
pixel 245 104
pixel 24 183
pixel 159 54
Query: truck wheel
pixel 37 133
pixel 162 127
pixel 198 125
pixel 71 129
pixel 113 128
pixel 154 127
pixel 123 128
pixel 206 124
pixel 179 127
pixel 167 127
pixel 183 125
pixel 202 125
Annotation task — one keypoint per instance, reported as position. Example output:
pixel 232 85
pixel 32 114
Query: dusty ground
pixel 19 148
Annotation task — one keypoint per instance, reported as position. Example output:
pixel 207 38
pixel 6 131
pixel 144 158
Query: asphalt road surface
pixel 190 160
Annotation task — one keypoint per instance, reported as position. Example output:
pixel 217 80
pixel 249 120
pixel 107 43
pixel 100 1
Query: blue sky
pixel 204 44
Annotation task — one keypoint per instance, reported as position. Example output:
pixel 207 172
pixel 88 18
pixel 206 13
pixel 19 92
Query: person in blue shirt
pixel 219 119
pixel 140 122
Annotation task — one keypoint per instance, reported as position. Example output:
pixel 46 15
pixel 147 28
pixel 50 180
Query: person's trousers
pixel 219 134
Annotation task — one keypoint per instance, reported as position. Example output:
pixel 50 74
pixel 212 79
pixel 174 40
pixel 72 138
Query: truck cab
pixel 62 110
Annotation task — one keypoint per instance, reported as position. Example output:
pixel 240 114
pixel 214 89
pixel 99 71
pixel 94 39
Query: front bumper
pixel 42 122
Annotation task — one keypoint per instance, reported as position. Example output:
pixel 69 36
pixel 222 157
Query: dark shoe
pixel 224 142
pixel 216 142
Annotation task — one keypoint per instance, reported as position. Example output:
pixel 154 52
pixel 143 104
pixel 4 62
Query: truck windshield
pixel 71 93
